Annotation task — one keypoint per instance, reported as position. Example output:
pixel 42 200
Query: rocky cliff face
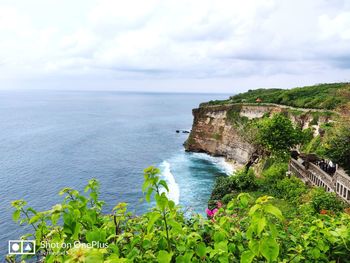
pixel 213 132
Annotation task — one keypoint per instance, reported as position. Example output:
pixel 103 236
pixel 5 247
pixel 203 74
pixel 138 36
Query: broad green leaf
pixel 269 248
pixel 185 258
pixel 254 208
pixel 153 218
pixel 76 232
pixel 315 252
pixel 244 199
pixel 171 204
pixel 176 227
pixel 34 219
pixel 219 236
pixel 223 258
pixel 201 249
pixel 247 256
pixel 162 201
pixel 145 186
pixel 16 215
pixel 274 231
pixel 254 246
pixel 76 213
pixel 164 256
pixel 273 211
pixel 30 209
pixel 221 246
pixel 148 194
pixel 261 223
pixel 164 184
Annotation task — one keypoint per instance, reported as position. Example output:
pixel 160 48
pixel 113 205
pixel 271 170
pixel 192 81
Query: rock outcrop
pixel 213 131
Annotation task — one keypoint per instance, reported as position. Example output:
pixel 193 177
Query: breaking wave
pixel 219 162
pixel 174 190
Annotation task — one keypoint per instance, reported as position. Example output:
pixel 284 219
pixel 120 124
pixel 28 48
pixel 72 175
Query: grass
pixel 321 96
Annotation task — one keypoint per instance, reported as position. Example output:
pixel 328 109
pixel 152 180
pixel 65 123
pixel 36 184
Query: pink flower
pixel 211 213
pixel 219 204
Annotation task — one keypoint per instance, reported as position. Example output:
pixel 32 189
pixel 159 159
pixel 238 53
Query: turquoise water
pixel 54 139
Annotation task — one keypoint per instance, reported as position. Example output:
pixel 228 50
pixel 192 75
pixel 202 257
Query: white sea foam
pixel 174 190
pixel 219 162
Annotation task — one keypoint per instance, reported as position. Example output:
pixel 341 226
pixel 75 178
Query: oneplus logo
pixel 21 247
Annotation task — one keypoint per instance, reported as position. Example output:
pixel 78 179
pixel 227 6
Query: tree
pixel 277 135
pixel 337 145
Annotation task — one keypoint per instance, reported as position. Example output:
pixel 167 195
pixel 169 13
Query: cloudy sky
pixel 173 45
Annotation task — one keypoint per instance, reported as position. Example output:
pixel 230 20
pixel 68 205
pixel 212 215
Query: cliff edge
pixel 216 128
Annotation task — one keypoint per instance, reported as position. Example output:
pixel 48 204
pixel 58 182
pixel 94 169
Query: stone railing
pixel 314 175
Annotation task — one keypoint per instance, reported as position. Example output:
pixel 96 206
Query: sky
pixel 224 46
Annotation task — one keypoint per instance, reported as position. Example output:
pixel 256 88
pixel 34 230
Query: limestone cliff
pixel 213 131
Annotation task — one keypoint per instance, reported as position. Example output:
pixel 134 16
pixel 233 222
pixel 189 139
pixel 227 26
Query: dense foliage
pixel 278 135
pixel 332 143
pixel 337 145
pixel 231 186
pixel 321 96
pixel 247 229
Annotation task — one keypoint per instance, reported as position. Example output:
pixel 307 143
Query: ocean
pixel 55 139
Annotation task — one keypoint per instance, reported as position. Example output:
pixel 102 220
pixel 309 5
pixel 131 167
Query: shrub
pixel 314 146
pixel 322 200
pixel 246 230
pixel 290 189
pixel 337 145
pixel 277 184
pixel 223 186
pixel 238 182
pixel 307 135
pixel 228 197
pixel 273 174
pixel 245 180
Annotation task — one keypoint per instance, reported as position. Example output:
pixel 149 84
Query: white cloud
pixel 338 26
pixel 176 40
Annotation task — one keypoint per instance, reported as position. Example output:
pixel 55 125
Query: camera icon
pixel 21 247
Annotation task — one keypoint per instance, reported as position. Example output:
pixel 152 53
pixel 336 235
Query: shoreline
pixel 234 166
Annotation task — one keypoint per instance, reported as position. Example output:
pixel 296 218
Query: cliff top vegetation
pixel 321 96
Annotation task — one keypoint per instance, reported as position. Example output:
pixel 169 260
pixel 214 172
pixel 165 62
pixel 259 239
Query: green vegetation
pixel 217 136
pixel 308 212
pixel 233 114
pixel 321 96
pixel 232 185
pixel 336 145
pixel 277 135
pixel 333 143
pixel 249 228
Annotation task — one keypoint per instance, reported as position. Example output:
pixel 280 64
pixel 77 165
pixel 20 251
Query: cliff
pixel 215 130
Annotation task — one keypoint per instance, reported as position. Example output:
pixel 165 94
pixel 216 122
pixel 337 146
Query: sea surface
pixel 55 139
